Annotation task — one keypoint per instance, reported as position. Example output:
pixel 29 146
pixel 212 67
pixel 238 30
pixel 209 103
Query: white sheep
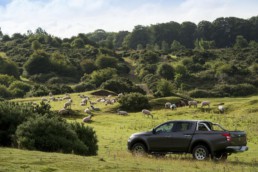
pixel 120 95
pixel 167 105
pixel 147 112
pixel 63 112
pixel 88 111
pixel 68 104
pixel 44 99
pixel 108 102
pixel 87 119
pixel 173 107
pixel 194 103
pixel 121 112
pixel 221 108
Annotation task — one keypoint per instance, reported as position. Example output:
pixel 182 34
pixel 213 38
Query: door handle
pixel 187 135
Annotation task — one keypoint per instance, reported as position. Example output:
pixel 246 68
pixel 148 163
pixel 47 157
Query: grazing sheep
pixel 63 112
pixel 221 108
pixel 92 103
pixel 194 103
pixel 120 95
pixel 94 108
pixel 84 101
pixel 167 105
pixel 44 99
pixel 205 103
pixel 147 112
pixel 50 94
pixel 66 97
pixel 173 107
pixel 108 102
pixel 88 111
pixel 121 112
pixel 68 104
pixel 87 119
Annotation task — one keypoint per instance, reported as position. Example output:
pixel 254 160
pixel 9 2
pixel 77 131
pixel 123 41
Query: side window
pixel 181 127
pixel 165 128
pixel 202 127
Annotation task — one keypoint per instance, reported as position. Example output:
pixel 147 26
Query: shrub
pixel 88 136
pixel 11 115
pixel 4 92
pixel 19 88
pixel 6 80
pixel 121 85
pixel 50 135
pixel 38 90
pixel 197 93
pixel 164 88
pixel 235 90
pixel 84 87
pixel 134 102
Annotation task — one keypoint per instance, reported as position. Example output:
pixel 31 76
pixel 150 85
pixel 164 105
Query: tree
pixel 241 42
pixel 103 61
pixel 87 66
pixel 165 47
pixel 100 76
pixel 39 62
pixel 78 43
pixel 35 45
pixel 166 71
pixel 177 46
pixel 164 88
pixel 188 34
pixel 8 67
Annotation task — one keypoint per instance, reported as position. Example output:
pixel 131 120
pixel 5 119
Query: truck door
pixel 181 136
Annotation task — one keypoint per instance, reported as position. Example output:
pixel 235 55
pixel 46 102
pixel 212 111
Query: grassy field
pixel 114 130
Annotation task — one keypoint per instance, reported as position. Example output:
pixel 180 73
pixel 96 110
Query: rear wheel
pixel 139 149
pixel 200 152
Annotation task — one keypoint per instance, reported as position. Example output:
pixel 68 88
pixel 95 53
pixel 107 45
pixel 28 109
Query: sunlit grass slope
pixel 113 131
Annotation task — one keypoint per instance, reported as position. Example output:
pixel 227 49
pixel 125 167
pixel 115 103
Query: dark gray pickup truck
pixel 203 139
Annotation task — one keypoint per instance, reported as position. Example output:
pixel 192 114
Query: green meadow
pixel 113 131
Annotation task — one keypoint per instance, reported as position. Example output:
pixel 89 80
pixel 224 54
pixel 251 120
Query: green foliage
pixel 235 90
pixel 77 43
pixel 100 76
pixel 50 135
pixel 11 115
pixel 8 67
pixel 134 102
pixel 166 71
pixel 6 80
pixel 88 136
pixel 35 45
pixel 121 85
pixel 199 93
pixel 38 90
pixel 19 88
pixel 149 57
pixel 164 88
pixel 81 87
pixel 241 42
pixel 87 66
pixel 103 61
pixel 39 62
pixel 4 92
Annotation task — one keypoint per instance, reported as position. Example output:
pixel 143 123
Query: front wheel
pixel 139 149
pixel 200 152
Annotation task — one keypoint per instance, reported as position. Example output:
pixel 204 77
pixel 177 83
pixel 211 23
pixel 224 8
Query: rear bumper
pixel 236 149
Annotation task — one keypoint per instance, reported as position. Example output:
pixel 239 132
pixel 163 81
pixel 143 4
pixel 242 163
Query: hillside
pixel 113 131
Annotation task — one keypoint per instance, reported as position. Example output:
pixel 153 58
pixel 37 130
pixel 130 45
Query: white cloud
pixel 66 18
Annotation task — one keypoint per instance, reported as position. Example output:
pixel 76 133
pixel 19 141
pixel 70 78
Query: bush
pixel 88 136
pixel 236 90
pixel 11 115
pixel 42 78
pixel 6 80
pixel 4 92
pixel 50 135
pixel 197 93
pixel 38 90
pixel 134 102
pixel 121 85
pixel 84 87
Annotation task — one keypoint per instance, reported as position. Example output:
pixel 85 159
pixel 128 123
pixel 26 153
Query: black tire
pixel 139 149
pixel 220 156
pixel 200 153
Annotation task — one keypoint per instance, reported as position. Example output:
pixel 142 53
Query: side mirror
pixel 153 131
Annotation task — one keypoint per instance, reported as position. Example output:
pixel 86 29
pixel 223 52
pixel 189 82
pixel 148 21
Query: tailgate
pixel 238 138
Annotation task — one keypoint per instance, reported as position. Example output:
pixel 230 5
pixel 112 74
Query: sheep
pixel 92 103
pixel 94 108
pixel 120 112
pixel 120 95
pixel 84 101
pixel 167 105
pixel 205 103
pixel 173 107
pixel 68 104
pixel 147 112
pixel 66 97
pixel 194 103
pixel 108 101
pixel 50 94
pixel 63 112
pixel 88 111
pixel 87 119
pixel 44 99
pixel 221 108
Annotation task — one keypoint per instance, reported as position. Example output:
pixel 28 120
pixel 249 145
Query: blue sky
pixel 66 18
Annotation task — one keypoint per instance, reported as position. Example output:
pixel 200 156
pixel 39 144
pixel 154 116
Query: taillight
pixel 227 135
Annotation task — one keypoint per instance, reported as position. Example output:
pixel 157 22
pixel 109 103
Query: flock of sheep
pixel 109 100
